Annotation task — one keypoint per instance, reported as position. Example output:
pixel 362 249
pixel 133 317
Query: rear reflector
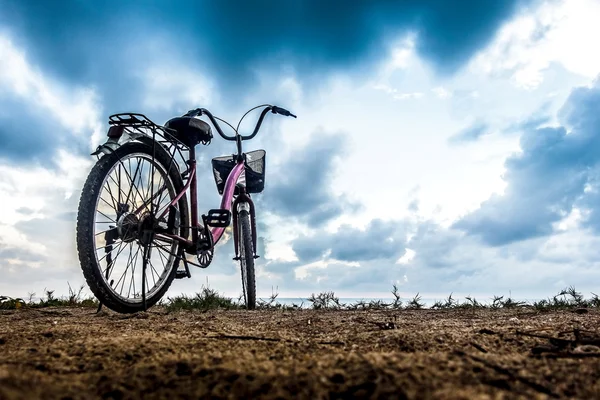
pixel 115 131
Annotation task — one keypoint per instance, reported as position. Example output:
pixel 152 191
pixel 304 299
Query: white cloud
pixel 441 92
pixel 174 84
pixel 76 108
pixel 36 194
pixel 11 238
pixel 310 270
pixel 408 96
pixel 402 56
pixel 407 257
pixel 560 32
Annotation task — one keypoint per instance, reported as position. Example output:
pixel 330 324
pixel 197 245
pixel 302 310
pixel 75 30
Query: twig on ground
pixel 502 370
pixel 267 339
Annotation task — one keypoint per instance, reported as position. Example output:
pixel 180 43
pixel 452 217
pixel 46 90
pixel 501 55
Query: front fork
pixel 243 197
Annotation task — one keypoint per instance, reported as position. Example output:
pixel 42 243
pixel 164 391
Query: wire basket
pixel 254 170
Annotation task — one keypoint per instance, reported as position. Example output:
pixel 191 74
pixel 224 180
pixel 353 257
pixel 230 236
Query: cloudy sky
pixel 442 146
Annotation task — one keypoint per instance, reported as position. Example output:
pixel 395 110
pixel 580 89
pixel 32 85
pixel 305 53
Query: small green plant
pixel 510 303
pixel 574 297
pixel 209 298
pixel 10 303
pixel 370 305
pixel 497 302
pixel 448 303
pixel 415 303
pixel 397 304
pixel 471 303
pixel 567 298
pixel 594 301
pixel 74 299
pixel 325 301
pixel 271 303
pixel 206 299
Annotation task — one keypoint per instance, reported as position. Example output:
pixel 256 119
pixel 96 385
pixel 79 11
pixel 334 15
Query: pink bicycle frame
pixel 227 198
pixel 226 201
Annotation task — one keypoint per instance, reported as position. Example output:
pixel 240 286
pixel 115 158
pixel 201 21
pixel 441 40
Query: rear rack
pixel 138 124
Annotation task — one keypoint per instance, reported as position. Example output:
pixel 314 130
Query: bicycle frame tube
pixel 226 202
pixel 230 183
pixel 176 199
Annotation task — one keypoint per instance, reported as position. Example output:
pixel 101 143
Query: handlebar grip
pixel 193 113
pixel 282 111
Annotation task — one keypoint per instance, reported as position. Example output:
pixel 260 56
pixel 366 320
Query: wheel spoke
pixel 124 272
pixel 132 181
pixel 148 194
pixel 165 250
pixel 154 271
pixel 114 260
pixel 106 245
pixel 139 187
pixel 164 260
pixel 129 259
pixel 115 208
pixel 112 198
pixel 132 283
pixel 118 185
pixel 101 232
pixel 161 191
pixel 110 252
pixel 106 216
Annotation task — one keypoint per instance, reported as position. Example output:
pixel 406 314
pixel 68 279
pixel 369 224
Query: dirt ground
pixel 68 353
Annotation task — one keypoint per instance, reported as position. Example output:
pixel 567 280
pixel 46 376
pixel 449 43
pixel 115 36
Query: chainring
pixel 205 256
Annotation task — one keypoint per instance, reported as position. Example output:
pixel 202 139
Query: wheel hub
pixel 127 226
pixel 146 229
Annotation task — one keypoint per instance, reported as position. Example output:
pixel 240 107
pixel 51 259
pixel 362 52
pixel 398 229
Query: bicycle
pixel 135 201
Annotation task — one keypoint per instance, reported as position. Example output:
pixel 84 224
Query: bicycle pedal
pixel 218 218
pixel 239 258
pixel 181 273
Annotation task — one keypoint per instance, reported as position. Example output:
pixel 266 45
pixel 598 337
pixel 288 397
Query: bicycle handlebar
pixel 273 109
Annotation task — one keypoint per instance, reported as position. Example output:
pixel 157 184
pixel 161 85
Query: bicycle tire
pixel 246 254
pixel 91 191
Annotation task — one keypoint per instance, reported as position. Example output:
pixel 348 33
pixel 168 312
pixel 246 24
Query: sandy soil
pixel 76 354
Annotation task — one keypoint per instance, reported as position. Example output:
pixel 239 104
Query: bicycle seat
pixel 190 131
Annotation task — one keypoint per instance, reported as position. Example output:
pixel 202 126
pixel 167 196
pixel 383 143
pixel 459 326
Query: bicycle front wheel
pixel 246 254
pixel 122 199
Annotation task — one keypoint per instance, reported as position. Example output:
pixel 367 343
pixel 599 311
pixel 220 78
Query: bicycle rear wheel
pixel 121 200
pixel 246 254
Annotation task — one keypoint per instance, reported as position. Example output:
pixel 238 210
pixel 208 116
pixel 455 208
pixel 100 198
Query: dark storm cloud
pixel 104 42
pixel 470 134
pixel 8 253
pixel 26 134
pixel 108 45
pixel 556 171
pixel 25 210
pixel 380 240
pixel 535 120
pixel 376 249
pixel 301 187
pixel 436 247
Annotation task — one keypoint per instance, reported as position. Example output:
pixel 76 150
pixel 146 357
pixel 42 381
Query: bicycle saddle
pixel 190 131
